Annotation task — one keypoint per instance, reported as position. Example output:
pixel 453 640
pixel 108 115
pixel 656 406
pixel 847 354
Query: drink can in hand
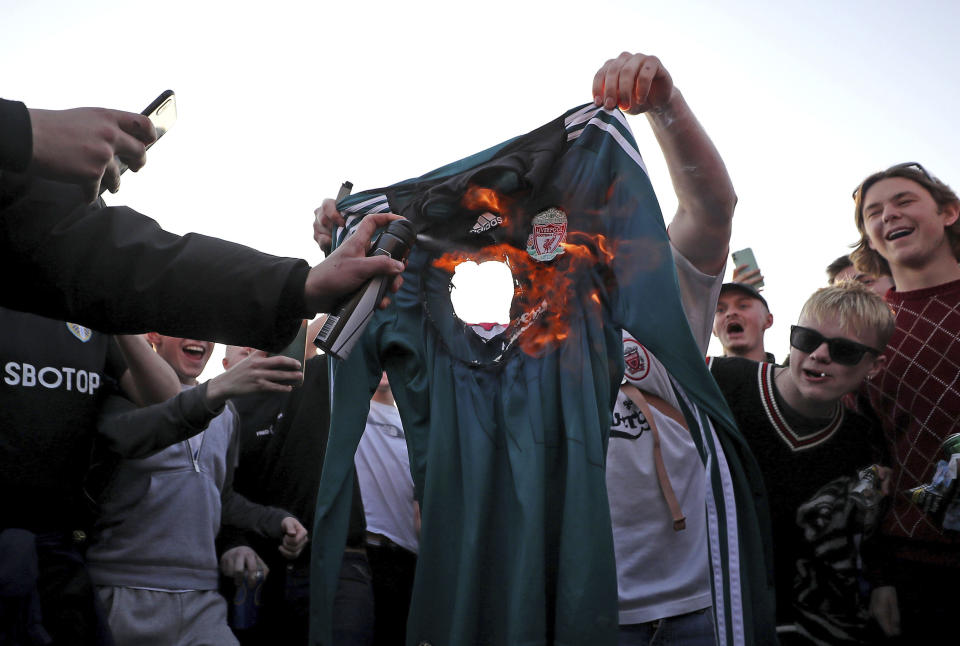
pixel 246 602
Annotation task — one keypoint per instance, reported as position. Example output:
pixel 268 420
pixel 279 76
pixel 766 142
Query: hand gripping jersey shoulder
pixel 507 445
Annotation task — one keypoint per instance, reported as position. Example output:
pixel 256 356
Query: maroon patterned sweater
pixel 917 398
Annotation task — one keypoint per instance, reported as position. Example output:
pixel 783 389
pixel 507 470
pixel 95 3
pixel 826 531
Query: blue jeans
pixel 692 629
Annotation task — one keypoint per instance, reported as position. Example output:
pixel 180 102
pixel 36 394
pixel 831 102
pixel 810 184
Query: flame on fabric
pixel 479 198
pixel 548 292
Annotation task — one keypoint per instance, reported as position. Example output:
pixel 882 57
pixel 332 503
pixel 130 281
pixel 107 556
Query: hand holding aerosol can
pixel 350 317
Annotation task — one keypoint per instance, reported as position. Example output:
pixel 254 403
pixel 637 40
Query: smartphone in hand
pixel 746 257
pixel 162 113
pixel 298 347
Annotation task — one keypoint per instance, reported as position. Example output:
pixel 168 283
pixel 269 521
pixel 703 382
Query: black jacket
pixel 117 271
pixel 16 136
pixel 283 443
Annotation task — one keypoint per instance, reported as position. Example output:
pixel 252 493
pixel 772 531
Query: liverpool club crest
pixel 636 360
pixel 549 232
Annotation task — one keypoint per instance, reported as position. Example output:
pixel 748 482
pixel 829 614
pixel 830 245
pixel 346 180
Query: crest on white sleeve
pixel 636 359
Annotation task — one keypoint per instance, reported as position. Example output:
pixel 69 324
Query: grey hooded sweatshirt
pixel 160 515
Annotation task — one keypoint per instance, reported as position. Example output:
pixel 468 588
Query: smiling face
pixel 904 224
pixel 817 382
pixel 739 323
pixel 187 357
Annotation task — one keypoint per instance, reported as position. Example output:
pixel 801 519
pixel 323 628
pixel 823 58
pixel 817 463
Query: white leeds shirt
pixel 660 572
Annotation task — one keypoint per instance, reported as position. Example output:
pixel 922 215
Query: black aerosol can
pixel 349 319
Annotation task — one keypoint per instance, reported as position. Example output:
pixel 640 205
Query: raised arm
pixel 148 379
pixel 700 230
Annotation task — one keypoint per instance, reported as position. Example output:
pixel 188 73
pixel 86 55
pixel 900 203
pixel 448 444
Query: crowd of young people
pixel 807 502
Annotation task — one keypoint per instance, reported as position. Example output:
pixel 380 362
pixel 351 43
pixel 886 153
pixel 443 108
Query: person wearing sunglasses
pixel 909 225
pixel 810 447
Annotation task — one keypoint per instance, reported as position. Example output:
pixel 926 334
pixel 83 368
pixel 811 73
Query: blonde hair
pixel 855 307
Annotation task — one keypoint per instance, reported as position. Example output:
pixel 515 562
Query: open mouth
pixel 813 374
pixel 734 328
pixel 194 351
pixel 898 233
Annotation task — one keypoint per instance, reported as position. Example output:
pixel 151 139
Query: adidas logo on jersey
pixel 486 221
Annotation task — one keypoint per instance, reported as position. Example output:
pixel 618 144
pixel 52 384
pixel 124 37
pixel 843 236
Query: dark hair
pixel 869 261
pixel 837 266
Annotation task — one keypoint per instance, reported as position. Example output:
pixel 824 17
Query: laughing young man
pixel 740 322
pixel 909 230
pixel 153 557
pixel 810 448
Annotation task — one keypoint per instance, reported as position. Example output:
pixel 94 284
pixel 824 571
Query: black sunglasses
pixel 842 351
pixel 911 165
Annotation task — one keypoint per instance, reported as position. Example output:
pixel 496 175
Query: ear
pixel 878 365
pixel 769 321
pixel 153 339
pixel 950 213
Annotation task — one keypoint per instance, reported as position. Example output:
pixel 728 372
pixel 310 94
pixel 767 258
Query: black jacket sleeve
pixel 16 136
pixel 237 510
pixel 117 271
pixel 133 432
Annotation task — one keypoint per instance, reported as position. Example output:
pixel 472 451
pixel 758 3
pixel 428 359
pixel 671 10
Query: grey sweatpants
pixel 153 618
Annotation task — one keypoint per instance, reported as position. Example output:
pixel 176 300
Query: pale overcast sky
pixel 280 102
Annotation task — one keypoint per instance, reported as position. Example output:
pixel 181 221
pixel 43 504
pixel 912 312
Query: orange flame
pixel 547 294
pixel 480 198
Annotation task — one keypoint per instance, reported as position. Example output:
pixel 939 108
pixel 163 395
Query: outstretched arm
pixel 116 271
pixel 134 432
pixel 700 230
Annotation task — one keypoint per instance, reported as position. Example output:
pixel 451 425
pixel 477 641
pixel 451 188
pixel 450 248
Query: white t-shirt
pixel 386 485
pixel 660 572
